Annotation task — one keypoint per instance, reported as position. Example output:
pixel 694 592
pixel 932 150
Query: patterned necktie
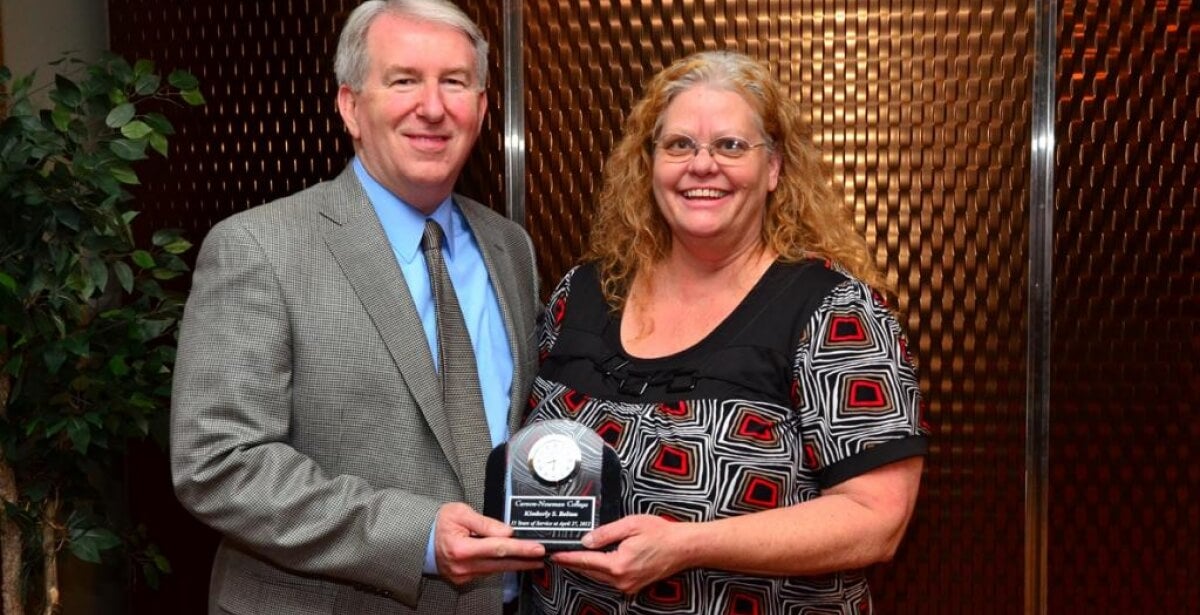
pixel 459 375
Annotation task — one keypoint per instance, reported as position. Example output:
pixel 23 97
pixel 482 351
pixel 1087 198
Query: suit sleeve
pixel 231 461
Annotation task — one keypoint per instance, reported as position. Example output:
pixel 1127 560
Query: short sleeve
pixel 855 387
pixel 551 321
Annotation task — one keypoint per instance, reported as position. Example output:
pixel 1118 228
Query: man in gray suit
pixel 308 423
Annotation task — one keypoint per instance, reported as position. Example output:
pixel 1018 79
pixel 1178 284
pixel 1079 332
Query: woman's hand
pixel 651 548
pixel 851 525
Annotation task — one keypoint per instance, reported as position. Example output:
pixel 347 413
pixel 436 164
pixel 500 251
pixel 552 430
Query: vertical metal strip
pixel 514 113
pixel 1041 249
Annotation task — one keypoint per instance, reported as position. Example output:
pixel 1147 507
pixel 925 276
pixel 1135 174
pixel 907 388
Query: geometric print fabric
pixel 855 407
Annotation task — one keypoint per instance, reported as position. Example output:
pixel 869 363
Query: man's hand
pixel 468 545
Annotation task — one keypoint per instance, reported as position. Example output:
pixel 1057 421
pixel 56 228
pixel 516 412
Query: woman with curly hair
pixel 728 337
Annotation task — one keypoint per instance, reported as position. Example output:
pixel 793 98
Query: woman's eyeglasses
pixel 678 148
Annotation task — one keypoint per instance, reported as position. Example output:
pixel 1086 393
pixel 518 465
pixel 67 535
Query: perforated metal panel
pixel 922 109
pixel 1125 425
pixel 271 126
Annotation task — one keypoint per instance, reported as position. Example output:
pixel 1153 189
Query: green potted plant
pixel 87 328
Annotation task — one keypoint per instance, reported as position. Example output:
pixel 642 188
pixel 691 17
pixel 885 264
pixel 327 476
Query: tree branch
pixel 50 530
pixel 10 534
pixel 10 542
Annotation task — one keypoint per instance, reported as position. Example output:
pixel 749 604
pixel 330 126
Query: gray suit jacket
pixel 307 424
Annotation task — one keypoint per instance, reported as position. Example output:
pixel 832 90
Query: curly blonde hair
pixel 805 216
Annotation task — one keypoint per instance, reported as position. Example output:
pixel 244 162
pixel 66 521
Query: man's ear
pixel 347 104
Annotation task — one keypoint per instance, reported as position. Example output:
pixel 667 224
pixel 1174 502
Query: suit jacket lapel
pixel 361 248
pixel 505 282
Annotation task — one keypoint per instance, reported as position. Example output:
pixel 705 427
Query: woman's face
pixel 710 197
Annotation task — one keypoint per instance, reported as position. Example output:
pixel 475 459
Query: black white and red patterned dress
pixel 806 384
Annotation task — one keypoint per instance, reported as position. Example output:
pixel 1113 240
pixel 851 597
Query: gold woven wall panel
pixel 922 109
pixel 1125 424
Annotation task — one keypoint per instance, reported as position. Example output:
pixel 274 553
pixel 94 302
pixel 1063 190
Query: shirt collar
pixel 403 224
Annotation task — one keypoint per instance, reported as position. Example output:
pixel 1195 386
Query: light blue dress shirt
pixel 404 227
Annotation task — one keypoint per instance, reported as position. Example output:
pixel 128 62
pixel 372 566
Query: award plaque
pixel 553 482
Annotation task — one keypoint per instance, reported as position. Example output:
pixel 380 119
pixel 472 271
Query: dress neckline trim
pixel 724 330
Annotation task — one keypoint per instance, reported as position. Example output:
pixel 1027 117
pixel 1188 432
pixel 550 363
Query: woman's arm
pixel 853 524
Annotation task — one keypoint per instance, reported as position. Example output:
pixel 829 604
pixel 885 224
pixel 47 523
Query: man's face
pixel 419 110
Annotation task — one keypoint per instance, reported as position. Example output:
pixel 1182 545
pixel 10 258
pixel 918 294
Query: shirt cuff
pixel 430 560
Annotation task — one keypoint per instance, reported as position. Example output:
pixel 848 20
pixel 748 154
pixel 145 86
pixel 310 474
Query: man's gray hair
pixel 351 61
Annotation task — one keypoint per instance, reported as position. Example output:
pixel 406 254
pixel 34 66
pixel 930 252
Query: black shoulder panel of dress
pixel 749 354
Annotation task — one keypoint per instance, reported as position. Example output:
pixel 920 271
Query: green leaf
pixel 124 275
pixel 164 236
pixel 117 96
pixel 121 70
pixel 159 123
pixel 142 425
pixel 179 246
pixel 192 97
pixel 165 274
pixel 41 281
pixel 129 216
pixel 13 367
pixel 151 289
pixel 98 271
pixel 59 325
pixel 67 214
pixel 136 130
pixel 123 174
pixel 183 80
pixel 80 434
pixel 88 544
pixel 117 366
pixel 61 116
pixel 128 149
pixel 172 262
pixel 150 329
pixel 21 85
pixel 83 285
pixel 161 563
pixel 55 427
pixel 143 67
pixel 77 345
pixel 143 259
pixel 159 143
pixel 147 84
pixel 66 92
pixel 54 356
pixel 77 131
pixel 151 575
pixel 8 282
pixel 120 115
